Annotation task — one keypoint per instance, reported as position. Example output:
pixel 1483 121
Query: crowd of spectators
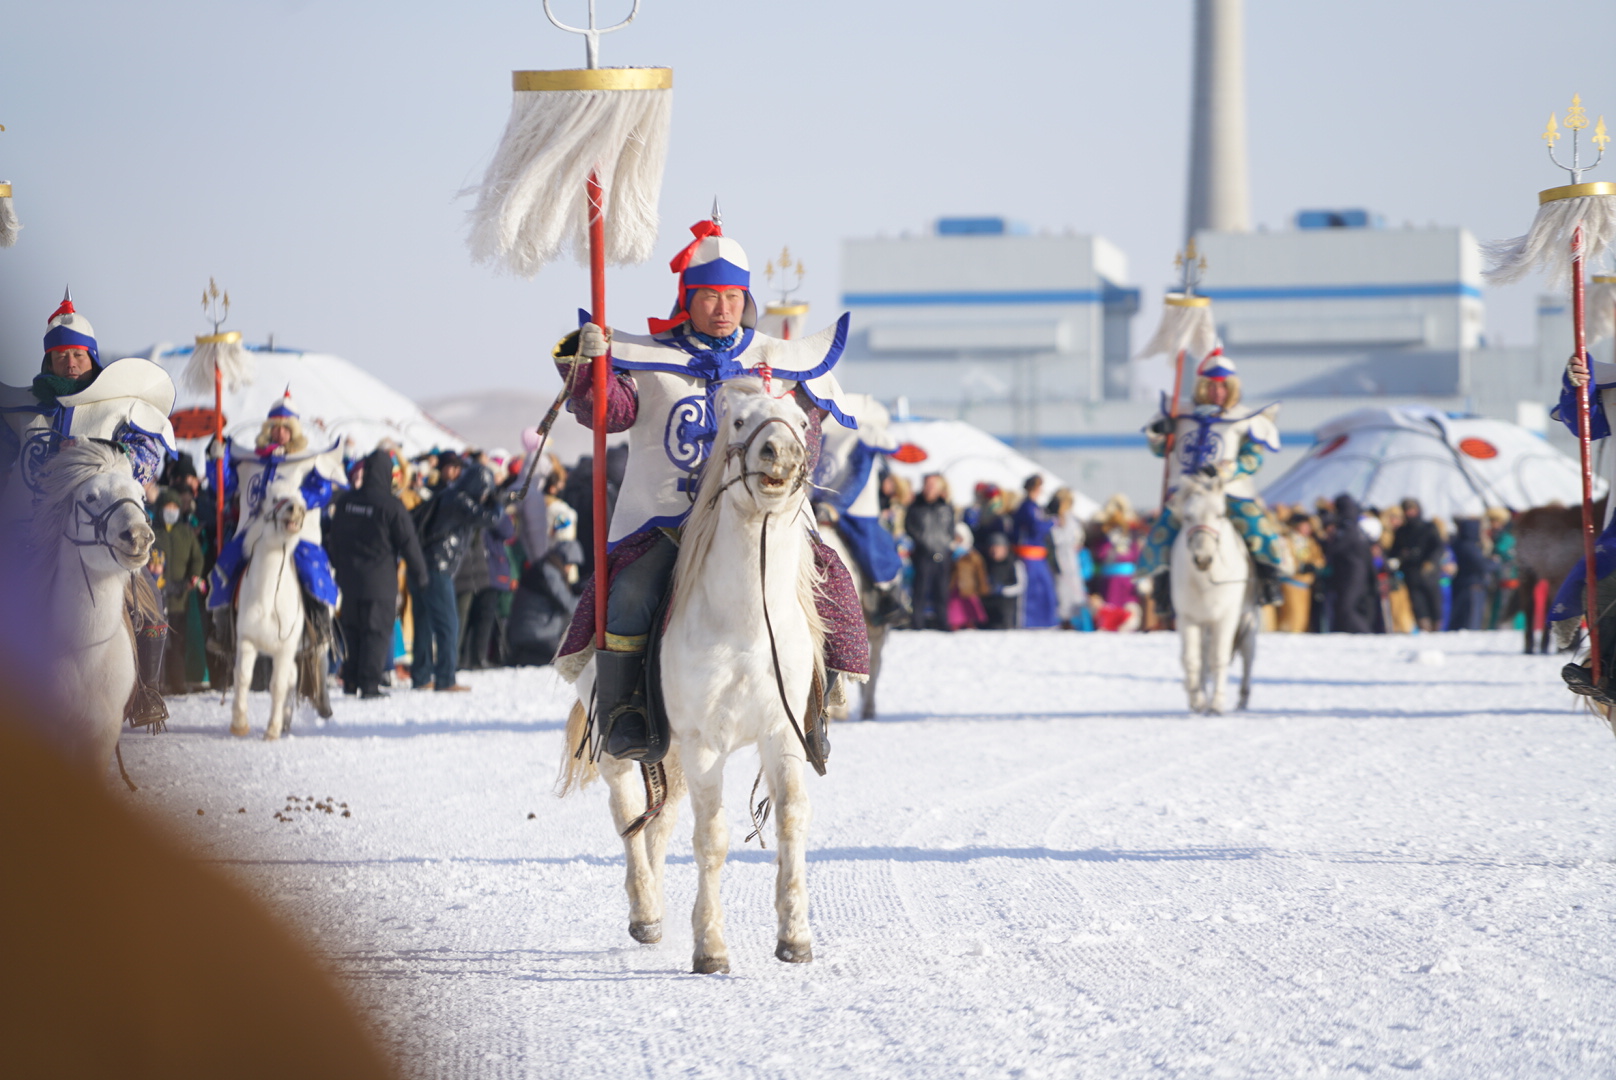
pixel 441 571
pixel 1021 559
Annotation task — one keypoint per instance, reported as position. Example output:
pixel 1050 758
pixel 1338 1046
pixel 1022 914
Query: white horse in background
pixel 1214 594
pixel 741 647
pixel 90 542
pixel 269 609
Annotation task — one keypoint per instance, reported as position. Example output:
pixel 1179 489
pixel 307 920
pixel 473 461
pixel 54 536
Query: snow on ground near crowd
pixel 1037 864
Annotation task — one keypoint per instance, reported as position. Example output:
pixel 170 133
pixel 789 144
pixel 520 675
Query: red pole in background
pixel 1585 443
pixel 600 372
pixel 218 434
pixel 1172 434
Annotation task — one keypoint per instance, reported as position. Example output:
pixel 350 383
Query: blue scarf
pixel 717 344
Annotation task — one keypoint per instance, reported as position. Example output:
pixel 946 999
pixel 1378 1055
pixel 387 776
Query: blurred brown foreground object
pixel 120 957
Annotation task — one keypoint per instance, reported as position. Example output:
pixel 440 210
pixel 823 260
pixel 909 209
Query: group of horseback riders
pixel 661 393
pixel 126 404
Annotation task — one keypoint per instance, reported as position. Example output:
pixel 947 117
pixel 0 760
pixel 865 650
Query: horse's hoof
pixel 794 954
pixel 710 965
pixel 646 933
pixel 271 736
pixel 240 732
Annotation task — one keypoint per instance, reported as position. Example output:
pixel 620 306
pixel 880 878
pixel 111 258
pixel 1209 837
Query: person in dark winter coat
pixel 1474 566
pixel 369 532
pixel 484 577
pixel 543 605
pixel 447 524
pixel 930 524
pixel 182 573
pixel 1417 547
pixel 1348 554
pixel 1007 585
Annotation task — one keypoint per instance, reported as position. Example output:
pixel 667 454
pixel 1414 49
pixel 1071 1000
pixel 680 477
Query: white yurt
pixel 1455 467
pixel 332 395
pixel 966 456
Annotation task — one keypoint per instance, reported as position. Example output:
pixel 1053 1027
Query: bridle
pixel 99 523
pixel 740 450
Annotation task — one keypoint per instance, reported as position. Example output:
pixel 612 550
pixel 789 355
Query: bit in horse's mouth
pixel 773 481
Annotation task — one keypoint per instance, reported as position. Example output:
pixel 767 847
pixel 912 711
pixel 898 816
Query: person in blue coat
pixel 1040 608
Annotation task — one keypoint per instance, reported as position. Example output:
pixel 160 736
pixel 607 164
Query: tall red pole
pixel 1172 434
pixel 1585 441
pixel 600 372
pixel 218 479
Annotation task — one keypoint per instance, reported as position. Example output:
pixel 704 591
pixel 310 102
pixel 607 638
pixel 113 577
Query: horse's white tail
pixel 577 769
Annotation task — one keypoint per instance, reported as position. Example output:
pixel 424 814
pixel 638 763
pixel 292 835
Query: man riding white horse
pixel 661 393
pixel 1215 437
pixel 847 496
pixel 281 457
pixel 125 403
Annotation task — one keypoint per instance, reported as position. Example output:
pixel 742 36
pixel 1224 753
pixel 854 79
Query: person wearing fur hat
pixel 1216 436
pixel 280 459
pixel 662 394
pixel 75 396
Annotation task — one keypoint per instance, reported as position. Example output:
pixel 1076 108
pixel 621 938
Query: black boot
pixel 1161 594
pixel 623 716
pixel 1270 590
pixel 892 609
pixel 818 734
pixel 146 708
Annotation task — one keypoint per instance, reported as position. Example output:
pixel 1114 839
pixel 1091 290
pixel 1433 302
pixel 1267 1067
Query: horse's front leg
pixel 246 657
pixel 791 816
pixel 704 772
pixel 627 801
pixel 1190 640
pixel 282 691
pixel 660 830
pixel 1220 649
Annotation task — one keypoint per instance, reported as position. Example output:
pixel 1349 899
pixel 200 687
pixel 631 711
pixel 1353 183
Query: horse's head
pixel 1200 505
pixel 287 514
pixel 760 452
pixel 93 503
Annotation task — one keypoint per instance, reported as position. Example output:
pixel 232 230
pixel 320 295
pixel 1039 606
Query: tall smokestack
pixel 1220 196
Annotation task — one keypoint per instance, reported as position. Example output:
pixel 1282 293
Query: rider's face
pixel 717 312
pixel 1217 392
pixel 280 434
pixel 73 362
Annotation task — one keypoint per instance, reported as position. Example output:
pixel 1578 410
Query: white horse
pixel 269 610
pixel 90 540
pixel 1214 594
pixel 741 647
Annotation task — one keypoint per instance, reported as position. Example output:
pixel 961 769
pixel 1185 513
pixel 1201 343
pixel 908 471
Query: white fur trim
pixel 572 665
pixel 532 203
pixel 1547 244
pixel 1600 309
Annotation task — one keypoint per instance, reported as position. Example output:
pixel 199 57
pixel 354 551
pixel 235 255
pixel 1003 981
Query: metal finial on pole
pixel 67 294
pixel 718 215
pixel 786 269
pixel 591 32
pixel 1191 267
pixel 1576 119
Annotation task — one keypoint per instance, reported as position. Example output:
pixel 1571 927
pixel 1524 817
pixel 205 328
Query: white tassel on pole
pixel 9 225
pixel 1600 307
pixel 563 125
pixel 1547 244
pixel 1186 324
pixel 235 363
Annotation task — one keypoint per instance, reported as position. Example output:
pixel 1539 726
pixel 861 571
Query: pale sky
pixel 307 152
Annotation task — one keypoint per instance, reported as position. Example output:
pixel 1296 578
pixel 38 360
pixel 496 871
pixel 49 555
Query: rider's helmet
pixel 67 329
pixel 1217 368
pixel 710 261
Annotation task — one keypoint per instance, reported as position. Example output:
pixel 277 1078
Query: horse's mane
pixel 60 481
pixel 696 539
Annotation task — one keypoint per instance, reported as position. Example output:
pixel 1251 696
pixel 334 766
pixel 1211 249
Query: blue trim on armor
pixel 222 578
pixel 662 522
pixel 872 547
pixel 314 571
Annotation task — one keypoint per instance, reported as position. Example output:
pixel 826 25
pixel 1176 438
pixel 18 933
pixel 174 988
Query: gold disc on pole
pixel 594 79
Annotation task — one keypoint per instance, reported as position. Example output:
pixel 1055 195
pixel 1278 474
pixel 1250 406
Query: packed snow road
pixel 1036 865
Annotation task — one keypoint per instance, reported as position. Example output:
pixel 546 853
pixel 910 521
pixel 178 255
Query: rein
pixel 1217 538
pixel 774 651
pixel 740 450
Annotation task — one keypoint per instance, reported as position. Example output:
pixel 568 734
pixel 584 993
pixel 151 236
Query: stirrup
pixel 147 709
pixel 1580 680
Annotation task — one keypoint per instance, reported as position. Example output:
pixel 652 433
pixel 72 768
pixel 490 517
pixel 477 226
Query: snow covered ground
pixel 1036 865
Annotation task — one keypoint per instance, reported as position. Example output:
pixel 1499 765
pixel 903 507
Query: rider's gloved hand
pixel 1162 426
pixel 1577 370
pixel 593 341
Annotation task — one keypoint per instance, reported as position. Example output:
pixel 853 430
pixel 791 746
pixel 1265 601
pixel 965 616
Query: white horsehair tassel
pixel 235 364
pixel 1181 327
pixel 9 225
pixel 1547 244
pixel 532 202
